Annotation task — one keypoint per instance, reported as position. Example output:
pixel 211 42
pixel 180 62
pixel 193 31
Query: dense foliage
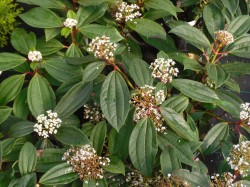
pixel 106 97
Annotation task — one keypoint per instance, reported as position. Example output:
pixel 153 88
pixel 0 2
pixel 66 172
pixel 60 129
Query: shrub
pixel 87 106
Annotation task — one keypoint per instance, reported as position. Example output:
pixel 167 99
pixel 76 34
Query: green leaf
pixel 166 5
pixel 5 111
pixel 41 18
pixel 10 60
pixel 98 136
pixel 185 3
pixel 94 30
pixel 71 136
pixel 169 161
pixel 61 70
pixel 240 47
pixel 114 99
pixel 28 180
pixel 217 74
pixel 193 178
pixel 237 68
pixel 51 33
pixel 192 65
pixel 143 146
pixel 200 167
pixel 95 2
pixel 10 88
pixel 40 97
pixel 20 106
pixel 178 124
pixel 89 14
pixel 92 70
pixel 75 98
pixel 192 35
pixel 73 51
pixel 95 183
pixel 232 85
pixel 45 3
pixel 49 47
pixel 239 26
pixel 59 174
pixel 182 149
pixel 214 136
pixel 27 159
pixel 115 166
pixel 195 90
pixel 147 28
pixel 22 41
pixel 1 155
pixel 213 18
pixel 22 128
pixel 178 103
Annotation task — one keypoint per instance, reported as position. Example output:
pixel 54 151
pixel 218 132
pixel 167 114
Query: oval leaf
pixel 10 60
pixel 177 103
pixel 22 128
pixel 4 113
pixel 93 70
pixel 217 74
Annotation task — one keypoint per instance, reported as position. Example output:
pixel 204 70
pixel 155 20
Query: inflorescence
pixel 224 37
pixel 47 124
pixel 239 157
pixel 145 100
pixel 35 56
pixel 69 22
pixel 245 112
pixel 93 113
pixel 127 12
pixel 86 162
pixel 102 48
pixel 163 69
pixel 226 179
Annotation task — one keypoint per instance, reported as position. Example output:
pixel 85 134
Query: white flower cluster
pixel 47 124
pixel 245 112
pixel 163 69
pixel 93 113
pixel 102 48
pixel 69 22
pixel 86 162
pixel 239 158
pixel 224 37
pixel 35 56
pixel 145 101
pixel 134 178
pixel 127 12
pixel 227 179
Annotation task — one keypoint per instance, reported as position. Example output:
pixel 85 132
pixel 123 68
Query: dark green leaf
pixel 192 65
pixel 93 70
pixel 20 106
pixel 178 103
pixel 41 18
pixel 147 28
pixel 166 5
pixel 115 98
pixel 40 97
pixel 95 2
pixel 27 159
pixel 240 47
pixel 71 136
pixel 73 51
pixel 195 90
pixel 28 180
pixel 237 68
pixel 10 60
pixel 239 26
pixel 22 41
pixel 51 33
pixel 217 74
pixel 200 167
pixel 143 146
pixel 232 85
pixel 214 136
pixel 185 3
pixel 4 113
pixel 116 165
pixel 60 174
pixel 22 128
pixel 49 47
pixel 95 183
pixel 45 3
pixel 76 97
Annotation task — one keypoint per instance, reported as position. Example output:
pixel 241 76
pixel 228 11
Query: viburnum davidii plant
pixel 106 96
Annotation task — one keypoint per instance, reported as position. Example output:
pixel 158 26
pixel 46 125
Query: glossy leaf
pixel 116 166
pixel 195 90
pixel 20 105
pixel 237 68
pixel 59 174
pixel 41 18
pixel 95 2
pixel 240 47
pixel 192 65
pixel 27 159
pixel 115 98
pixel 45 3
pixel 166 5
pixel 4 113
pixel 214 136
pixel 40 97
pixel 28 180
pixel 71 136
pixel 21 128
pixel 217 74
pixel 76 97
pixel 49 47
pixel 239 26
pixel 143 146
pixel 10 60
pixel 51 33
pixel 147 28
pixel 73 51
pixel 178 103
pixel 93 70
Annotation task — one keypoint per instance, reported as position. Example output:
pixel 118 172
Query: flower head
pixel 69 22
pixel 35 56
pixel 164 69
pixel 224 37
pixel 102 48
pixel 127 12
pixel 245 112
pixel 86 162
pixel 93 113
pixel 145 100
pixel 47 124
pixel 226 179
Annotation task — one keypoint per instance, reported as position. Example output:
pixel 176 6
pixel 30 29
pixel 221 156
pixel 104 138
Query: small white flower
pixel 69 22
pixel 224 37
pixel 245 112
pixel 35 56
pixel 127 12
